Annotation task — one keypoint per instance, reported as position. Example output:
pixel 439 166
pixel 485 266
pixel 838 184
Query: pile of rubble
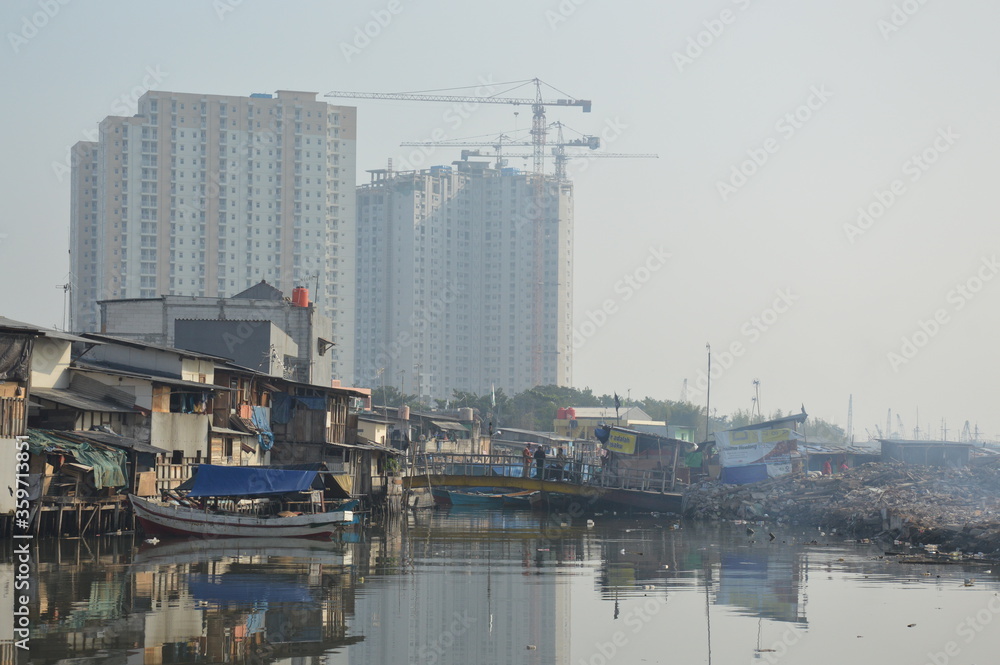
pixel 957 509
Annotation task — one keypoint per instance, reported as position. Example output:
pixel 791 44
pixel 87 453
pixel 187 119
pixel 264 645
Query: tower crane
pixel 539 132
pixel 558 149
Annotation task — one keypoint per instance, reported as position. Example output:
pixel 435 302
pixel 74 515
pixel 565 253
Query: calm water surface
pixel 491 588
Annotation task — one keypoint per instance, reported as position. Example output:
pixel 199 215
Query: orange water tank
pixel 300 296
pixel 561 414
pixel 571 413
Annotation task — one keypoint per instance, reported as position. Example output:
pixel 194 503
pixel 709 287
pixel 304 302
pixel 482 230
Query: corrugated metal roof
pixel 116 441
pixel 139 344
pixel 28 328
pixel 444 424
pixel 76 400
pixel 168 380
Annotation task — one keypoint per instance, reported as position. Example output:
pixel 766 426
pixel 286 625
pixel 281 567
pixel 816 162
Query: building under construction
pixel 464 280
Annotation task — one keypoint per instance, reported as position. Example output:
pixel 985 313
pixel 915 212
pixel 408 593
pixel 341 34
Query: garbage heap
pixel 957 509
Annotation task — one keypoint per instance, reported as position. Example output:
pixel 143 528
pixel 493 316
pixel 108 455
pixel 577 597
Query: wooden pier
pixel 637 490
pixel 74 516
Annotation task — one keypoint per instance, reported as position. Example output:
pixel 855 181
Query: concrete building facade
pixel 448 263
pixel 257 328
pixel 207 195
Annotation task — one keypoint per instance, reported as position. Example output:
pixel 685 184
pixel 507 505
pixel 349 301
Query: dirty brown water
pixel 492 587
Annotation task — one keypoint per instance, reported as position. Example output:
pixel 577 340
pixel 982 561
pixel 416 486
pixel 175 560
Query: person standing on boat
pixel 540 461
pixel 561 458
pixel 526 458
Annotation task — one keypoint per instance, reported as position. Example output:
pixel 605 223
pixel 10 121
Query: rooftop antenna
pixel 756 401
pixel 67 288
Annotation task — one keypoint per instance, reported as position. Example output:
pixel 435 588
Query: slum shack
pixel 631 453
pixel 928 453
pixel 818 453
pixel 75 482
pixel 760 451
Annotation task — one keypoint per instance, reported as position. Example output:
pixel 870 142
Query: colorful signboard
pixel 621 441
pixel 770 447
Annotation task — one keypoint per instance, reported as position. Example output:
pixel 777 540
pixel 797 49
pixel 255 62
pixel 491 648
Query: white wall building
pixel 447 276
pixel 207 195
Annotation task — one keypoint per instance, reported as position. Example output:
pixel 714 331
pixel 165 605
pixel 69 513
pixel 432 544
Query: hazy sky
pixel 775 122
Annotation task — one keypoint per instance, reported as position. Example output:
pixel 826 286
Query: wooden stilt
pixel 59 519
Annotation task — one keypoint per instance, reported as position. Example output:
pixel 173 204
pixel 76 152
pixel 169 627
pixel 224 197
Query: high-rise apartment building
pixel 207 195
pixel 464 280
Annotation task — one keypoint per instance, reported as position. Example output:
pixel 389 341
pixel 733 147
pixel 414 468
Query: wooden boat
pixel 241 483
pixel 482 499
pixel 163 519
pixel 518 500
pixel 442 497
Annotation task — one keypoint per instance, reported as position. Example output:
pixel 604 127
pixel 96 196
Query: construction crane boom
pixel 472 99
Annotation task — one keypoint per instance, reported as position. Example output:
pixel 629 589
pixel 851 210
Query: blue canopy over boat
pixel 211 480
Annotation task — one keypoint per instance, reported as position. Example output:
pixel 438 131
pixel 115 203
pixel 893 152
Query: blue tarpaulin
pixel 264 435
pixel 249 481
pixel 281 408
pixel 249 589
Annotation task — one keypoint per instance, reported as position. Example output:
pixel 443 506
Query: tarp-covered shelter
pixel 108 463
pixel 251 481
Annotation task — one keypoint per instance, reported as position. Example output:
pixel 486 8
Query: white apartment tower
pixel 453 267
pixel 207 195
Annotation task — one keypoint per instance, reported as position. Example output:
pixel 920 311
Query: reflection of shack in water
pixel 763 583
pixel 191 601
pixel 255 603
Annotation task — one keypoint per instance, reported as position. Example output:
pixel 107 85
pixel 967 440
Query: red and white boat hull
pixel 168 520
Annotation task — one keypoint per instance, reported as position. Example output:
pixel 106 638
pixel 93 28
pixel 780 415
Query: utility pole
pixel 708 391
pixel 850 420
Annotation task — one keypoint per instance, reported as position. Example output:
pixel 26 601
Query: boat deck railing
pixel 576 471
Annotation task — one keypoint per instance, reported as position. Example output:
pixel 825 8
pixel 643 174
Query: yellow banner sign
pixel 621 442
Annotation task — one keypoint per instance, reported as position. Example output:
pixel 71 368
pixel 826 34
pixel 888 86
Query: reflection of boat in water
pixel 199 549
pixel 266 491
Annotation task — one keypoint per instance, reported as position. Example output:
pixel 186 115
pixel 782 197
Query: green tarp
pixel 108 463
